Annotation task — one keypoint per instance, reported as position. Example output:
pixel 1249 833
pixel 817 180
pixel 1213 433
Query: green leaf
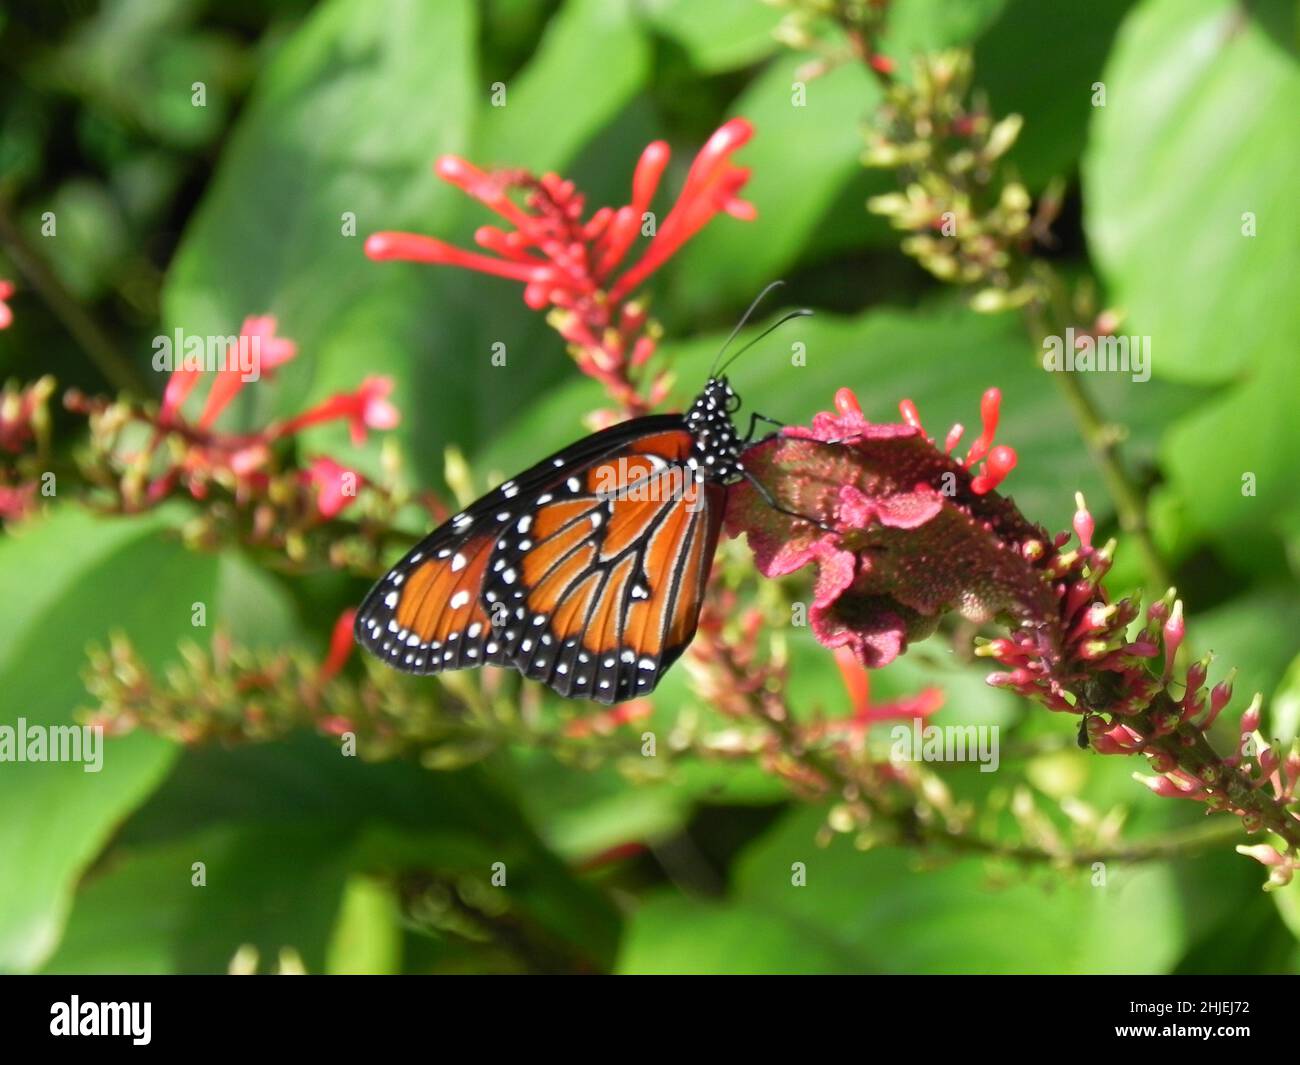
pixel 1198 132
pixel 917 26
pixel 270 888
pixel 1191 155
pixel 1284 707
pixel 802 156
pixel 1233 463
pixel 1287 900
pixel 1041 61
pixel 589 63
pixel 717 35
pixel 383 816
pixel 673 935
pixel 1255 634
pixel 368 936
pixel 876 912
pixel 252 604
pixel 70 580
pixel 167 56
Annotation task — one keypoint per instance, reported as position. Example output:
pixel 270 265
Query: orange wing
pixel 426 615
pixel 429 612
pixel 600 587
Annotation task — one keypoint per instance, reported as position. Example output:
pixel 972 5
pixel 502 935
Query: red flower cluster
pixel 258 334
pixel 22 413
pixel 242 460
pixel 6 314
pixel 572 264
pixel 916 532
pixel 24 428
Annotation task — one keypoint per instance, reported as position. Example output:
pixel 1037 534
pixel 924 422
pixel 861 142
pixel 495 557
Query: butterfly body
pixel 586 572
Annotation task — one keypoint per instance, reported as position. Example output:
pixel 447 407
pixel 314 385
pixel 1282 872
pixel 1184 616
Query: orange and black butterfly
pixel 585 572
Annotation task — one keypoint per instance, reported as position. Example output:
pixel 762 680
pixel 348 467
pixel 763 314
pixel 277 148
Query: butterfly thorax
pixel 715 454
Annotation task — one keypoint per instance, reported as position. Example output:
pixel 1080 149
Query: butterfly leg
pixel 770 500
pixel 754 419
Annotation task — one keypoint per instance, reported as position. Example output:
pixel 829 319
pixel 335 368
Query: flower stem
pixel 83 328
pixel 1130 506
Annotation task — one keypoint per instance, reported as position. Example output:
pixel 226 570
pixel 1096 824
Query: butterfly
pixel 585 572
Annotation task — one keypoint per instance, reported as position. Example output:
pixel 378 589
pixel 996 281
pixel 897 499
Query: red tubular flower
pixel 562 259
pixel 712 185
pixel 266 350
pixel 571 263
pixel 17 502
pixel 335 485
pixel 6 314
pixel 606 721
pixel 366 408
pixel 857 682
pixel 341 643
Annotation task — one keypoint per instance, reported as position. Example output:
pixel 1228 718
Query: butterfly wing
pixel 597 588
pixel 427 614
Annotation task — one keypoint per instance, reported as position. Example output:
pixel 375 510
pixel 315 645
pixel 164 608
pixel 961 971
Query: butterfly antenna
pixel 744 320
pixel 802 312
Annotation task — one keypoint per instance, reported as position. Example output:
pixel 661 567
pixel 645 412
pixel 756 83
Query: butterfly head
pixel 716 452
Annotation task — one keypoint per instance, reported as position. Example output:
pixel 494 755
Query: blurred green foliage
pixel 172 215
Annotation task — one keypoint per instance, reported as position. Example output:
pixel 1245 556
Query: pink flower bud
pixel 1083 522
pixel 905 407
pixel 1250 719
pixel 1174 631
pixel 1262 853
